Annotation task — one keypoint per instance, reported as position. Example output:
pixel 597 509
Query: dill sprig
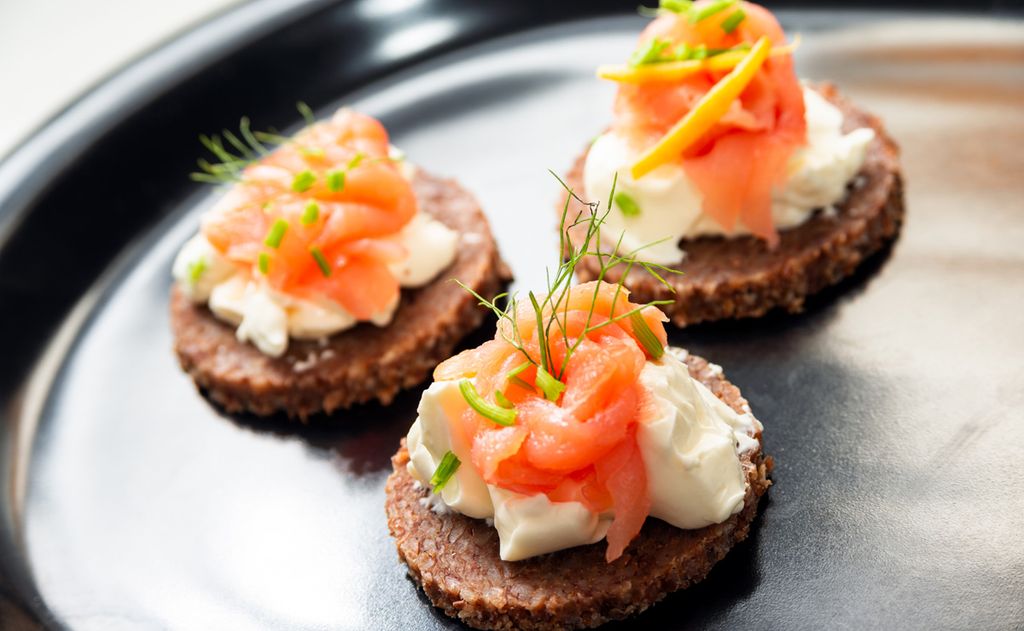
pixel 551 310
pixel 235 151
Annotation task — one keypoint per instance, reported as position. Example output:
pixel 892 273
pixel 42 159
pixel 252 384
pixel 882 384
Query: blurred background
pixel 53 50
pixel 73 44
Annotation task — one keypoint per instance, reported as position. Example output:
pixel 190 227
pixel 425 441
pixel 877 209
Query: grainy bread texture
pixel 455 558
pixel 363 363
pixel 741 277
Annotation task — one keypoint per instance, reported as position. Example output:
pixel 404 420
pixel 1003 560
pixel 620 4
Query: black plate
pixel 893 405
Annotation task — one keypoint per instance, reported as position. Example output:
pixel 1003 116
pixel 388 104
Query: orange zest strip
pixel 708 110
pixel 675 70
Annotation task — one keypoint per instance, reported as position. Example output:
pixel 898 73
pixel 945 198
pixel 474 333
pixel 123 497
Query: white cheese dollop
pixel 690 442
pixel 430 438
pixel 199 267
pixel 268 318
pixel 690 448
pixel 670 204
pixel 529 525
pixel 431 248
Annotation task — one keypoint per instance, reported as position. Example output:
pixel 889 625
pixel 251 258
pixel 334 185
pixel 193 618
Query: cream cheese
pixel 527 525
pixel 690 448
pixel 530 525
pixel 199 267
pixel 690 442
pixel 268 318
pixel 670 203
pixel 430 438
pixel 430 246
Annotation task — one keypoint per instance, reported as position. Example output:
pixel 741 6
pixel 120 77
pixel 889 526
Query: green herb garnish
pixel 646 336
pixel 551 309
pixel 196 269
pixel 735 18
pixel 335 181
pixel 310 214
pixel 234 151
pixel 666 6
pixel 513 376
pixel 303 181
pixel 276 233
pixel 689 10
pixel 355 161
pixel 676 6
pixel 551 387
pixel 703 13
pixel 627 204
pixel 650 52
pixel 502 400
pixel 498 414
pixel 263 262
pixel 445 471
pixel 659 51
pixel 321 262
pixel 306 112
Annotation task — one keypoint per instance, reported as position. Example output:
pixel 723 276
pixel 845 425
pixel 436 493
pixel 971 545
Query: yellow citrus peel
pixel 707 111
pixel 675 70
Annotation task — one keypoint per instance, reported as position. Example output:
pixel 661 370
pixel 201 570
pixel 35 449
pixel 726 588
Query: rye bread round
pixel 363 363
pixel 741 277
pixel 455 558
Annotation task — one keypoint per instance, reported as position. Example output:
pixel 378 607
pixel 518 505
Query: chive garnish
pixel 502 400
pixel 445 471
pixel 312 152
pixel 518 369
pixel 735 18
pixel 499 415
pixel 303 181
pixel 196 269
pixel 649 53
pixel 321 262
pixel 335 181
pixel 552 388
pixel 355 161
pixel 707 11
pixel 522 383
pixel 627 204
pixel 676 6
pixel 276 233
pixel 310 214
pixel 682 52
pixel 658 51
pixel 671 6
pixel 513 376
pixel 646 336
pixel 263 261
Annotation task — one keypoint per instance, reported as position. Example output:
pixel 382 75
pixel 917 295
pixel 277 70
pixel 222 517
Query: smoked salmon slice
pixel 319 215
pixel 581 444
pixel 736 164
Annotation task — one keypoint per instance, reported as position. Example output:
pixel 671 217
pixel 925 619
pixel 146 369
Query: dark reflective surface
pixel 892 405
